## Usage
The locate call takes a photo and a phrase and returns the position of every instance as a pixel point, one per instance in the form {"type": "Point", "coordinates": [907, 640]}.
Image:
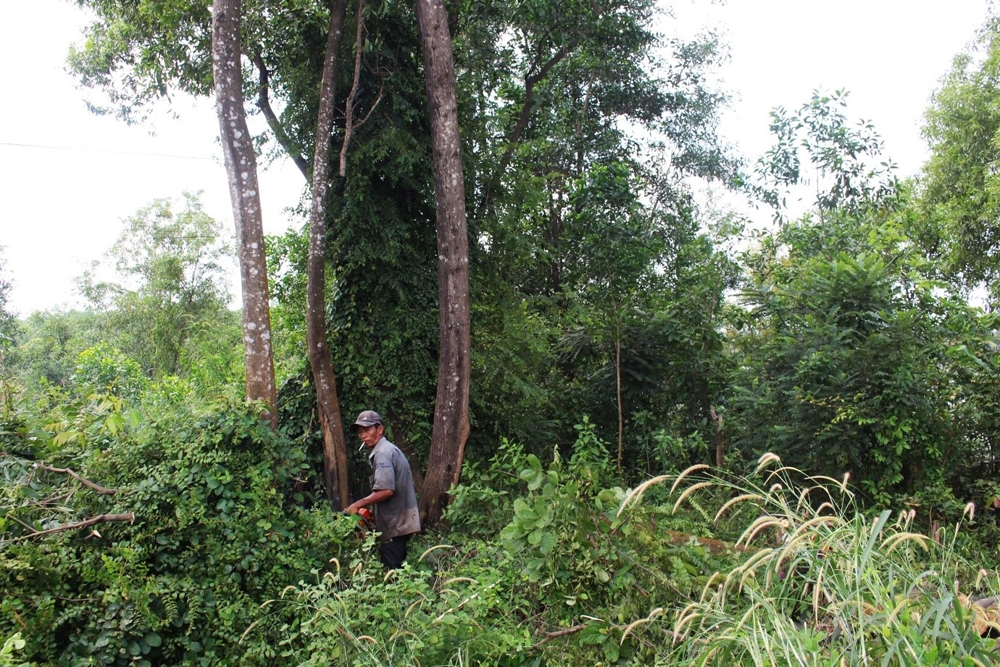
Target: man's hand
{"type": "Point", "coordinates": [372, 499]}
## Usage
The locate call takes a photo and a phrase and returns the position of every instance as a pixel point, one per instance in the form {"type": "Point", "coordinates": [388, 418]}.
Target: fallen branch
{"type": "Point", "coordinates": [86, 482]}
{"type": "Point", "coordinates": [101, 518]}
{"type": "Point", "coordinates": [549, 636]}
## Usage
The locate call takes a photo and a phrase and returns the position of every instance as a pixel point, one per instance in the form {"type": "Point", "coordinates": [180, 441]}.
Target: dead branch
{"type": "Point", "coordinates": [549, 636]}
{"type": "Point", "coordinates": [86, 482]}
{"type": "Point", "coordinates": [101, 518]}
{"type": "Point", "coordinates": [349, 104]}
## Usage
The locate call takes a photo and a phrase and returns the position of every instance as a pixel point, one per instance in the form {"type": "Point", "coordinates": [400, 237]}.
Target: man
{"type": "Point", "coordinates": [393, 497]}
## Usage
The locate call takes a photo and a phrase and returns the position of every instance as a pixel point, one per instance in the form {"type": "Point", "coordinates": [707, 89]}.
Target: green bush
{"type": "Point", "coordinates": [103, 369]}
{"type": "Point", "coordinates": [216, 532]}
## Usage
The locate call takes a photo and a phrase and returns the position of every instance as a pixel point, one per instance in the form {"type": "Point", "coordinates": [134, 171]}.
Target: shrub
{"type": "Point", "coordinates": [216, 532]}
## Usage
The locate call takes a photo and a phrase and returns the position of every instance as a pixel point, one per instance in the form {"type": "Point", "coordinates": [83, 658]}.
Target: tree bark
{"type": "Point", "coordinates": [241, 169]}
{"type": "Point", "coordinates": [320, 361]}
{"type": "Point", "coordinates": [451, 410]}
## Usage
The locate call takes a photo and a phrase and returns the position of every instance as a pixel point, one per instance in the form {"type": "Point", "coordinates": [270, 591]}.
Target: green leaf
{"type": "Point", "coordinates": [536, 481]}
{"type": "Point", "coordinates": [547, 543]}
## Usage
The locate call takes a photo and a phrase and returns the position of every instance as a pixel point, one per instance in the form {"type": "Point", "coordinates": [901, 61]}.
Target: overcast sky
{"type": "Point", "coordinates": [68, 178]}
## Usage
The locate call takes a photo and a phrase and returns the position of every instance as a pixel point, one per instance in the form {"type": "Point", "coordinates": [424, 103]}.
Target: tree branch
{"type": "Point", "coordinates": [381, 90]}
{"type": "Point", "coordinates": [130, 517]}
{"type": "Point", "coordinates": [349, 105]}
{"type": "Point", "coordinates": [549, 636]}
{"type": "Point", "coordinates": [86, 482]}
{"type": "Point", "coordinates": [264, 104]}
{"type": "Point", "coordinates": [522, 122]}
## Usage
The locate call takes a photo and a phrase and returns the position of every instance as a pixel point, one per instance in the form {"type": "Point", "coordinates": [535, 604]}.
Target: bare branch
{"type": "Point", "coordinates": [86, 482]}
{"type": "Point", "coordinates": [549, 636]}
{"type": "Point", "coordinates": [264, 104]}
{"type": "Point", "coordinates": [381, 90]}
{"type": "Point", "coordinates": [349, 105]}
{"type": "Point", "coordinates": [101, 518]}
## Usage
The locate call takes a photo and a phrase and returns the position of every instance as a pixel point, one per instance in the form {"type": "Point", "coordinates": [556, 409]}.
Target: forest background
{"type": "Point", "coordinates": [621, 333]}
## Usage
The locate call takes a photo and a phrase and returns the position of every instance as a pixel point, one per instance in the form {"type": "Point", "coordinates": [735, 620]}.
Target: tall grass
{"type": "Point", "coordinates": [822, 583]}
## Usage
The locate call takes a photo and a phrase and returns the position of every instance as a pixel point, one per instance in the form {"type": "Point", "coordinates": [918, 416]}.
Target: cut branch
{"type": "Point", "coordinates": [264, 104]}
{"type": "Point", "coordinates": [101, 518]}
{"type": "Point", "coordinates": [86, 482]}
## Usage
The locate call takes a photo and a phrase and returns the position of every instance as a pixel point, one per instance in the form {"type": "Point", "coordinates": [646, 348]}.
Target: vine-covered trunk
{"type": "Point", "coordinates": [451, 410]}
{"type": "Point", "coordinates": [241, 169]}
{"type": "Point", "coordinates": [320, 361]}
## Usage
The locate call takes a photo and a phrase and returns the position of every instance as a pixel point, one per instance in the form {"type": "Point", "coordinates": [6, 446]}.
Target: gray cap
{"type": "Point", "coordinates": [367, 418]}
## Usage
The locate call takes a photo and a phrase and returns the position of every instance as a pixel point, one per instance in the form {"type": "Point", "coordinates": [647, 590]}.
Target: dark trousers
{"type": "Point", "coordinates": [392, 552]}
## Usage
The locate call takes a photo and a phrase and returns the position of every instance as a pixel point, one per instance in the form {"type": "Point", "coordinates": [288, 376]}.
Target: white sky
{"type": "Point", "coordinates": [62, 207]}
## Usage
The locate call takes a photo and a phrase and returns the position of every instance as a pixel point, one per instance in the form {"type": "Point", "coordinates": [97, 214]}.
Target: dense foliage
{"type": "Point", "coordinates": [624, 337]}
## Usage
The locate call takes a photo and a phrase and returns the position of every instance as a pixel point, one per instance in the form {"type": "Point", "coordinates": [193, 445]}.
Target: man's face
{"type": "Point", "coordinates": [370, 435]}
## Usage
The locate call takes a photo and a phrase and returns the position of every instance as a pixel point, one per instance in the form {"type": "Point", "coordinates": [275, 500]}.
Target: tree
{"type": "Point", "coordinates": [50, 343]}
{"type": "Point", "coordinates": [451, 411]}
{"type": "Point", "coordinates": [573, 82]}
{"type": "Point", "coordinates": [852, 356]}
{"type": "Point", "coordinates": [961, 186]}
{"type": "Point", "coordinates": [317, 340]}
{"type": "Point", "coordinates": [8, 323]}
{"type": "Point", "coordinates": [852, 361]}
{"type": "Point", "coordinates": [545, 92]}
{"type": "Point", "coordinates": [171, 272]}
{"type": "Point", "coordinates": [241, 168]}
{"type": "Point", "coordinates": [843, 164]}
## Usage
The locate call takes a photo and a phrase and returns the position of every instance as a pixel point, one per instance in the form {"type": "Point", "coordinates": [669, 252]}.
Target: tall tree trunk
{"type": "Point", "coordinates": [241, 168]}
{"type": "Point", "coordinates": [320, 361]}
{"type": "Point", "coordinates": [451, 410]}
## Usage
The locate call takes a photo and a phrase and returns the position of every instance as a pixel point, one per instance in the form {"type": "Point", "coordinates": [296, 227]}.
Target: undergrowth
{"type": "Point", "coordinates": [542, 562]}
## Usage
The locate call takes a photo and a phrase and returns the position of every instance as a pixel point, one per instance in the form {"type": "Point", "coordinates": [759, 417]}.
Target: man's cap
{"type": "Point", "coordinates": [367, 418]}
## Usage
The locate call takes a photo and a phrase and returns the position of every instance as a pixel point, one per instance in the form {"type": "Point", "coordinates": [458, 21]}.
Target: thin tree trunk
{"type": "Point", "coordinates": [720, 441]}
{"type": "Point", "coordinates": [320, 361]}
{"type": "Point", "coordinates": [451, 410]}
{"type": "Point", "coordinates": [241, 168]}
{"type": "Point", "coordinates": [618, 378]}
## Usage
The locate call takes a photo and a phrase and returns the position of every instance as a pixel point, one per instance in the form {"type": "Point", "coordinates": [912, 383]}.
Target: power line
{"type": "Point", "coordinates": [108, 152]}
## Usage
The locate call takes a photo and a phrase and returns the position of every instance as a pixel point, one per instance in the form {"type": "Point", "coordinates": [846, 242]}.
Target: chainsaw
{"type": "Point", "coordinates": [365, 519]}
